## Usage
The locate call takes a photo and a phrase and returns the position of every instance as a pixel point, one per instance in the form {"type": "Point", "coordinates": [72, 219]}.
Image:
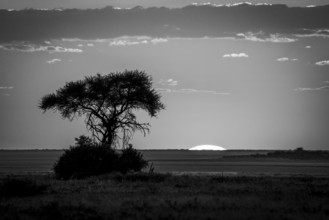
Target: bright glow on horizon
{"type": "Point", "coordinates": [207, 147]}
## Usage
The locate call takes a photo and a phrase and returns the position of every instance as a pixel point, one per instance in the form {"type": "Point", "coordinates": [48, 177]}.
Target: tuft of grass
{"type": "Point", "coordinates": [237, 179]}
{"type": "Point", "coordinates": [141, 177]}
{"type": "Point", "coordinates": [16, 187]}
{"type": "Point", "coordinates": [52, 211]}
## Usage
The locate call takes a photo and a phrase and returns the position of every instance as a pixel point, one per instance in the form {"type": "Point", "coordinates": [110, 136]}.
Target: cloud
{"type": "Point", "coordinates": [312, 89]}
{"type": "Point", "coordinates": [192, 91]}
{"type": "Point", "coordinates": [30, 47]}
{"type": "Point", "coordinates": [323, 33]}
{"type": "Point", "coordinates": [93, 41]}
{"type": "Point", "coordinates": [262, 37]}
{"type": "Point", "coordinates": [283, 59]}
{"type": "Point", "coordinates": [6, 87]}
{"type": "Point", "coordinates": [171, 82]}
{"type": "Point", "coordinates": [260, 23]}
{"type": "Point", "coordinates": [308, 47]}
{"type": "Point", "coordinates": [88, 44]}
{"type": "Point", "coordinates": [54, 61]}
{"type": "Point", "coordinates": [168, 82]}
{"type": "Point", "coordinates": [119, 41]}
{"type": "Point", "coordinates": [126, 42]}
{"type": "Point", "coordinates": [202, 91]}
{"type": "Point", "coordinates": [164, 90]}
{"type": "Point", "coordinates": [135, 40]}
{"type": "Point", "coordinates": [236, 55]}
{"type": "Point", "coordinates": [159, 40]}
{"type": "Point", "coordinates": [319, 88]}
{"type": "Point", "coordinates": [58, 49]}
{"type": "Point", "coordinates": [322, 63]}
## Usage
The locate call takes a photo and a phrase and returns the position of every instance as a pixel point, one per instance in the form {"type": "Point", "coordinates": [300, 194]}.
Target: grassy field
{"type": "Point", "coordinates": [164, 196]}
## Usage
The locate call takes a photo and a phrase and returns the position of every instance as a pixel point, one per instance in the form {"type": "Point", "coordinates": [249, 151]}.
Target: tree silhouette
{"type": "Point", "coordinates": [109, 102]}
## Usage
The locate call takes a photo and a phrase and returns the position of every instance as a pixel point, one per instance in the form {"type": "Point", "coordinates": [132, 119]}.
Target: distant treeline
{"type": "Point", "coordinates": [298, 153]}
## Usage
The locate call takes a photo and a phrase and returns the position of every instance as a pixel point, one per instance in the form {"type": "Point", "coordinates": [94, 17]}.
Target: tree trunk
{"type": "Point", "coordinates": [109, 137]}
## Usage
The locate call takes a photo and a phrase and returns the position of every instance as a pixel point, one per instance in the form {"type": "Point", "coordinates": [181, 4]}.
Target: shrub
{"type": "Point", "coordinates": [86, 159]}
{"type": "Point", "coordinates": [131, 160]}
{"type": "Point", "coordinates": [13, 187]}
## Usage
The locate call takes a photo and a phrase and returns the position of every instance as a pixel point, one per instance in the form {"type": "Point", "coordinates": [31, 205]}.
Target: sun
{"type": "Point", "coordinates": [208, 147]}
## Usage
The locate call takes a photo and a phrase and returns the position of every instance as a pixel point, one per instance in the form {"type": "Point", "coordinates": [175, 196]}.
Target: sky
{"type": "Point", "coordinates": [239, 76]}
{"type": "Point", "coordinates": [83, 4]}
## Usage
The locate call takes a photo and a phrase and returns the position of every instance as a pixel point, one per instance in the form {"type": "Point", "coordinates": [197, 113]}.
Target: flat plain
{"type": "Point", "coordinates": [178, 161]}
{"type": "Point", "coordinates": [185, 185]}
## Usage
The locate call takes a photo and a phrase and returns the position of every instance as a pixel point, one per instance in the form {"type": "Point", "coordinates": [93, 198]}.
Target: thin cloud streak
{"type": "Point", "coordinates": [191, 91]}
{"type": "Point", "coordinates": [312, 89]}
{"type": "Point", "coordinates": [286, 59]}
{"type": "Point", "coordinates": [79, 40]}
{"type": "Point", "coordinates": [168, 82]}
{"type": "Point", "coordinates": [283, 59]}
{"type": "Point", "coordinates": [135, 40]}
{"type": "Point", "coordinates": [321, 88]}
{"type": "Point", "coordinates": [323, 33]}
{"type": "Point", "coordinates": [54, 61]}
{"type": "Point", "coordinates": [6, 87]}
{"type": "Point", "coordinates": [119, 41]}
{"type": "Point", "coordinates": [236, 55]}
{"type": "Point", "coordinates": [322, 63]}
{"type": "Point", "coordinates": [29, 48]}
{"type": "Point", "coordinates": [262, 37]}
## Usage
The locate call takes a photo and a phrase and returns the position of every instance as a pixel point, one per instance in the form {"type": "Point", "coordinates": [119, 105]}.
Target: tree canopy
{"type": "Point", "coordinates": [109, 103]}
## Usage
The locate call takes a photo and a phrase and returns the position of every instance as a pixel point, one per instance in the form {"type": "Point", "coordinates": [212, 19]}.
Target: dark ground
{"type": "Point", "coordinates": [164, 196]}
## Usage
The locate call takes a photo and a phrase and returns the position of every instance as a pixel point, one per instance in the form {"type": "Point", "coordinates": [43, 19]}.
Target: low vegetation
{"type": "Point", "coordinates": [296, 154]}
{"type": "Point", "coordinates": [88, 158]}
{"type": "Point", "coordinates": [20, 187]}
{"type": "Point", "coordinates": [300, 153]}
{"type": "Point", "coordinates": [131, 160]}
{"type": "Point", "coordinates": [165, 196]}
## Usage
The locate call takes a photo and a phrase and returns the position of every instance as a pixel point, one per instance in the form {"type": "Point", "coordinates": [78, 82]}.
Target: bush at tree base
{"type": "Point", "coordinates": [88, 158]}
{"type": "Point", "coordinates": [131, 160]}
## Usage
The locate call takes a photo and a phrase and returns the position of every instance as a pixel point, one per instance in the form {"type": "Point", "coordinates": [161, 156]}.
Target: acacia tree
{"type": "Point", "coordinates": [109, 103]}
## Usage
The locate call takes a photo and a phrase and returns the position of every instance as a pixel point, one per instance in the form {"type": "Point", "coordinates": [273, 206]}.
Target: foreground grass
{"type": "Point", "coordinates": [162, 196]}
